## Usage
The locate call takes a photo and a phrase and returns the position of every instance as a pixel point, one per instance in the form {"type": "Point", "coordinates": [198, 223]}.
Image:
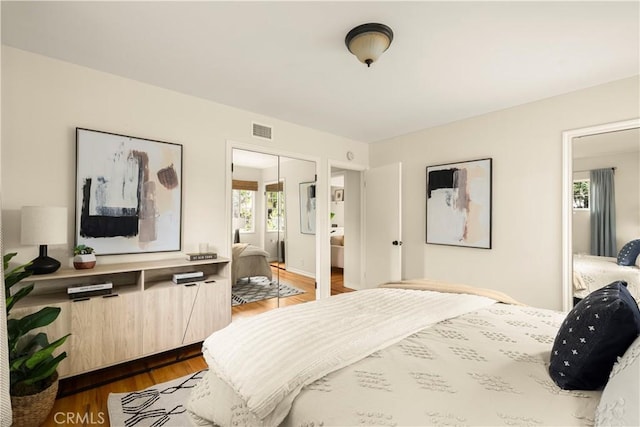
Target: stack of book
{"type": "Point", "coordinates": [193, 276]}
{"type": "Point", "coordinates": [201, 256]}
{"type": "Point", "coordinates": [87, 291]}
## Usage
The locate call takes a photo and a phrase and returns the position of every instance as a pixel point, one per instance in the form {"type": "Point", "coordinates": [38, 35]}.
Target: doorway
{"type": "Point", "coordinates": [345, 225]}
{"type": "Point", "coordinates": [585, 150]}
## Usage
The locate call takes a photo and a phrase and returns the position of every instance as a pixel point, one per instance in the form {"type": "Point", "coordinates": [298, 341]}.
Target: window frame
{"type": "Point", "coordinates": [588, 192]}
{"type": "Point", "coordinates": [236, 213]}
{"type": "Point", "coordinates": [280, 206]}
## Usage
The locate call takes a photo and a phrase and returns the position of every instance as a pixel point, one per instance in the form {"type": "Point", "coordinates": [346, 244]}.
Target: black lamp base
{"type": "Point", "coordinates": [43, 264]}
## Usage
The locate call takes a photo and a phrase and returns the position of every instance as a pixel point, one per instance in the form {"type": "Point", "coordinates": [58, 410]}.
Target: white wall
{"type": "Point", "coordinates": [525, 143]}
{"type": "Point", "coordinates": [626, 196]}
{"type": "Point", "coordinates": [44, 99]}
{"type": "Point", "coordinates": [300, 249]}
{"type": "Point", "coordinates": [352, 229]}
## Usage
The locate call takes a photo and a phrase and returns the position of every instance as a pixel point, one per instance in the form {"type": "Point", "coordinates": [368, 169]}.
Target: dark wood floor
{"type": "Point", "coordinates": [86, 395]}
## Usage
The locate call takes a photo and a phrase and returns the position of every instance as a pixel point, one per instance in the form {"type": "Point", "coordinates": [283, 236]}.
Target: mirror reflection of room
{"type": "Point", "coordinates": [343, 217]}
{"type": "Point", "coordinates": [273, 261]}
{"type": "Point", "coordinates": [606, 210]}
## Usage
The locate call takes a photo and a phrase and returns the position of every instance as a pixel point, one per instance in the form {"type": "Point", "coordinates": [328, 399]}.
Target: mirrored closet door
{"type": "Point", "coordinates": [273, 230]}
{"type": "Point", "coordinates": [606, 209]}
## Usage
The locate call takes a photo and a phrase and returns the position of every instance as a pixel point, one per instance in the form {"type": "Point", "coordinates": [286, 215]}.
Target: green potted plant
{"type": "Point", "coordinates": [32, 365]}
{"type": "Point", "coordinates": [84, 257]}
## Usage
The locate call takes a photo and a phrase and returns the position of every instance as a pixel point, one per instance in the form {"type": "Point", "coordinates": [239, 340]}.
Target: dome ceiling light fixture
{"type": "Point", "coordinates": [368, 41]}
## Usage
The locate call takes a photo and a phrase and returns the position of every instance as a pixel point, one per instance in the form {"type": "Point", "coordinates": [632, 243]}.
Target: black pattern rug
{"type": "Point", "coordinates": [253, 289]}
{"type": "Point", "coordinates": [159, 405]}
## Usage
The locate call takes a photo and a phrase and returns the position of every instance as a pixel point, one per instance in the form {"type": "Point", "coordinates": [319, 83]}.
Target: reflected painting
{"type": "Point", "coordinates": [128, 193]}
{"type": "Point", "coordinates": [459, 204]}
{"type": "Point", "coordinates": [308, 207]}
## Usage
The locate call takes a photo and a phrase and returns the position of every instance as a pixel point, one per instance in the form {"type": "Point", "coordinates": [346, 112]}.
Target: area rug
{"type": "Point", "coordinates": [160, 405]}
{"type": "Point", "coordinates": [253, 289]}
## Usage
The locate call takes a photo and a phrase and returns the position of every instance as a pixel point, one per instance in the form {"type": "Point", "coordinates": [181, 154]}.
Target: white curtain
{"type": "Point", "coordinates": [5, 400]}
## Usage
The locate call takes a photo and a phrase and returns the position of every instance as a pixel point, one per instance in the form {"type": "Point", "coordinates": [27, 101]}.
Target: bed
{"type": "Point", "coordinates": [249, 261]}
{"type": "Point", "coordinates": [593, 272]}
{"type": "Point", "coordinates": [411, 353]}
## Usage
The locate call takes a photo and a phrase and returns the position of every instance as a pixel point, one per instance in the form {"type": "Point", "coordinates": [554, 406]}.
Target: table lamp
{"type": "Point", "coordinates": [43, 225]}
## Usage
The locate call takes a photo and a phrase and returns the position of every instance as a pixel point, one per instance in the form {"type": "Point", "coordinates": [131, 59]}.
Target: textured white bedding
{"type": "Point", "coordinates": [485, 367]}
{"type": "Point", "coordinates": [595, 272]}
{"type": "Point", "coordinates": [299, 344]}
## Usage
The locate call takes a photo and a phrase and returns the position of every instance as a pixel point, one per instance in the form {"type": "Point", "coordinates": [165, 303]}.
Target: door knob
{"type": "Point", "coordinates": [396, 243]}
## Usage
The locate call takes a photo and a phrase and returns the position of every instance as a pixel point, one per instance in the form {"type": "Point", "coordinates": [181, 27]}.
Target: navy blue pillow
{"type": "Point", "coordinates": [629, 252]}
{"type": "Point", "coordinates": [599, 329]}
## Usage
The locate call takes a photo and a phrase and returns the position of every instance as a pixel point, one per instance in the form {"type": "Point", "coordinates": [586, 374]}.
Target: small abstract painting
{"type": "Point", "coordinates": [128, 193]}
{"type": "Point", "coordinates": [308, 207]}
{"type": "Point", "coordinates": [459, 204]}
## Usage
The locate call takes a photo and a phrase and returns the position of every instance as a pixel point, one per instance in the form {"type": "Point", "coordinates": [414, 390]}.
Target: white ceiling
{"type": "Point", "coordinates": [448, 61]}
{"type": "Point", "coordinates": [252, 159]}
{"type": "Point", "coordinates": [620, 142]}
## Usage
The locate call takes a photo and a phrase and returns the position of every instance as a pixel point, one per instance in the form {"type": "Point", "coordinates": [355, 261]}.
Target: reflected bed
{"type": "Point", "coordinates": [249, 261]}
{"type": "Point", "coordinates": [594, 272]}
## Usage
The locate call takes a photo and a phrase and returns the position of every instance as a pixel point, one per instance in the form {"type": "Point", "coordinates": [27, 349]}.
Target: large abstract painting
{"type": "Point", "coordinates": [459, 204]}
{"type": "Point", "coordinates": [128, 193]}
{"type": "Point", "coordinates": [308, 207]}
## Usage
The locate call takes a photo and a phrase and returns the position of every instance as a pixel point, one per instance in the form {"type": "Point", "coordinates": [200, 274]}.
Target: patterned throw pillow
{"type": "Point", "coordinates": [629, 253]}
{"type": "Point", "coordinates": [619, 402]}
{"type": "Point", "coordinates": [599, 329]}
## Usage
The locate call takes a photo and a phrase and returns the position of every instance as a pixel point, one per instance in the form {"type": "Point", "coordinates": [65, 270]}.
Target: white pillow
{"type": "Point", "coordinates": [620, 401]}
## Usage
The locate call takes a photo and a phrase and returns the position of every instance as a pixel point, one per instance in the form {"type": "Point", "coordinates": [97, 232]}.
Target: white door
{"type": "Point", "coordinates": [383, 225]}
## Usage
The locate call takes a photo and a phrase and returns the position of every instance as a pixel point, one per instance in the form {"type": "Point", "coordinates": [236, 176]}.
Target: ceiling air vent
{"type": "Point", "coordinates": [262, 131]}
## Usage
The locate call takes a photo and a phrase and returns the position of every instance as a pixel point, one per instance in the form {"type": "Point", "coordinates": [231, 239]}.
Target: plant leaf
{"type": "Point", "coordinates": [45, 370]}
{"type": "Point", "coordinates": [38, 340]}
{"type": "Point", "coordinates": [6, 258]}
{"type": "Point", "coordinates": [16, 364]}
{"type": "Point", "coordinates": [44, 353]}
{"type": "Point", "coordinates": [13, 299]}
{"type": "Point", "coordinates": [41, 318]}
{"type": "Point", "coordinates": [13, 333]}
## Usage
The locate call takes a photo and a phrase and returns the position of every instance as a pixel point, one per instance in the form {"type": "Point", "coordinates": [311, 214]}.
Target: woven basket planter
{"type": "Point", "coordinates": [32, 410]}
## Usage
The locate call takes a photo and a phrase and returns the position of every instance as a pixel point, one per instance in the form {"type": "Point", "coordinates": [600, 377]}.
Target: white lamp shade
{"type": "Point", "coordinates": [369, 46]}
{"type": "Point", "coordinates": [43, 225]}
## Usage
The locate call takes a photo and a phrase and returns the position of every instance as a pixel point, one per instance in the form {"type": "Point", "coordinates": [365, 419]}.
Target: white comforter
{"type": "Point", "coordinates": [485, 367]}
{"type": "Point", "coordinates": [267, 360]}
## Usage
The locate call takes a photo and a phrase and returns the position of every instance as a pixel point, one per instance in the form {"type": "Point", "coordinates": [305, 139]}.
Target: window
{"type": "Point", "coordinates": [581, 194]}
{"type": "Point", "coordinates": [244, 210]}
{"type": "Point", "coordinates": [275, 207]}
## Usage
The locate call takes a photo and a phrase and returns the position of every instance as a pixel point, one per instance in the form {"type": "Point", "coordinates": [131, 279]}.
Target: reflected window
{"type": "Point", "coordinates": [244, 210]}
{"type": "Point", "coordinates": [581, 194]}
{"type": "Point", "coordinates": [275, 211]}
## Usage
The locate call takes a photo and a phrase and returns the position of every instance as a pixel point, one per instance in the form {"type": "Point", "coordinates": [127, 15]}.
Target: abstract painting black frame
{"type": "Point", "coordinates": [459, 204]}
{"type": "Point", "coordinates": [128, 193]}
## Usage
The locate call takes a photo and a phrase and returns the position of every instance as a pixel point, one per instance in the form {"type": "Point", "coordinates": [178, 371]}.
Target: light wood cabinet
{"type": "Point", "coordinates": [162, 328]}
{"type": "Point", "coordinates": [104, 331]}
{"type": "Point", "coordinates": [208, 312]}
{"type": "Point", "coordinates": [145, 314]}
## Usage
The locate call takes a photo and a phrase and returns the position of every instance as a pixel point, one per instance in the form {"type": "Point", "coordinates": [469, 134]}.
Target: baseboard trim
{"type": "Point", "coordinates": [301, 272]}
{"type": "Point", "coordinates": [179, 357]}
